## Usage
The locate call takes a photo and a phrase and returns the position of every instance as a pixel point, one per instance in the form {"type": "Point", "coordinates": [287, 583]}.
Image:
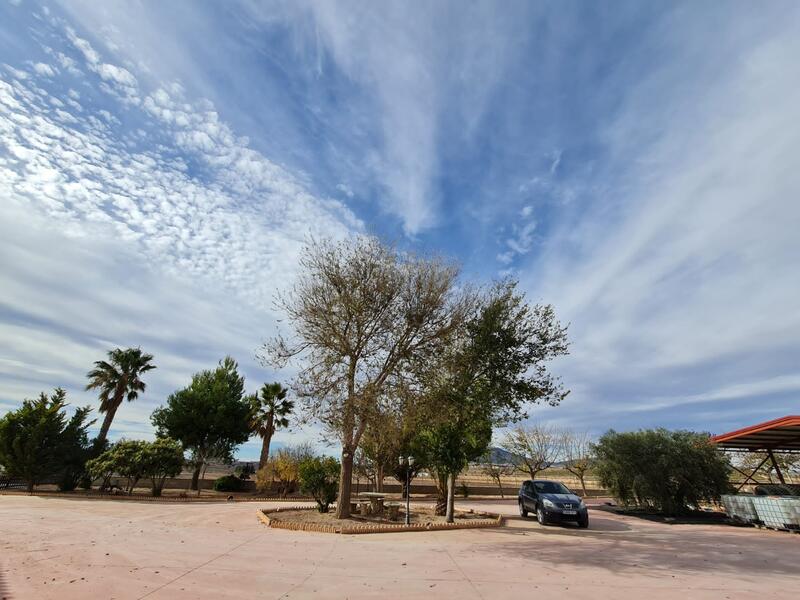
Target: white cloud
{"type": "Point", "coordinates": [140, 248]}
{"type": "Point", "coordinates": [44, 69]}
{"type": "Point", "coordinates": [681, 282]}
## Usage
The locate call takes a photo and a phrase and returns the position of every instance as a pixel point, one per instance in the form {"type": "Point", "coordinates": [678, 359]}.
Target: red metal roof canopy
{"type": "Point", "coordinates": [780, 435]}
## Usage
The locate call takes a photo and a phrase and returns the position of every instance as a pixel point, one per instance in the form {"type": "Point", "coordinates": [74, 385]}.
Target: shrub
{"type": "Point", "coordinates": [664, 470]}
{"type": "Point", "coordinates": [283, 468]}
{"type": "Point", "coordinates": [228, 483]}
{"type": "Point", "coordinates": [319, 477]}
{"type": "Point", "coordinates": [244, 471]}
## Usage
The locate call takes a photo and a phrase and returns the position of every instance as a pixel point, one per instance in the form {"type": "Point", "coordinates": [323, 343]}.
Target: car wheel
{"type": "Point", "coordinates": [522, 511]}
{"type": "Point", "coordinates": [584, 522]}
{"type": "Point", "coordinates": [540, 516]}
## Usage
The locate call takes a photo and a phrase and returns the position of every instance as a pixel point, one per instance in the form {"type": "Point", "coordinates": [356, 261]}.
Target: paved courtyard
{"type": "Point", "coordinates": [59, 548]}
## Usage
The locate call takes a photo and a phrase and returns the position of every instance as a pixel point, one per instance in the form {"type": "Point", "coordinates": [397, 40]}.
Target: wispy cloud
{"type": "Point", "coordinates": [681, 288]}
{"type": "Point", "coordinates": [634, 167]}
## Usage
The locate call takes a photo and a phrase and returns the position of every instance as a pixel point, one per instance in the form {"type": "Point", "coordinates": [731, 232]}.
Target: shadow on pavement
{"type": "Point", "coordinates": [660, 551]}
{"type": "Point", "coordinates": [596, 523]}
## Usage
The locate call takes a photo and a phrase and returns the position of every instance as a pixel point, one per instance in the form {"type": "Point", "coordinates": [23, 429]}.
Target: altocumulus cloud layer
{"type": "Point", "coordinates": [166, 230]}
{"type": "Point", "coordinates": [162, 163]}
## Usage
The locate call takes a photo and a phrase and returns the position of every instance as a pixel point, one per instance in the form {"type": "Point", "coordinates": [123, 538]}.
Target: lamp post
{"type": "Point", "coordinates": [408, 462]}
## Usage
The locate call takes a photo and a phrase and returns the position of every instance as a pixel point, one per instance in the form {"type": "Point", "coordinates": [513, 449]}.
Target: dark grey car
{"type": "Point", "coordinates": [552, 502]}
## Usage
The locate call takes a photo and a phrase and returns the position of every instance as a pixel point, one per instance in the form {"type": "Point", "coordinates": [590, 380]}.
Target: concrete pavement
{"type": "Point", "coordinates": [60, 548]}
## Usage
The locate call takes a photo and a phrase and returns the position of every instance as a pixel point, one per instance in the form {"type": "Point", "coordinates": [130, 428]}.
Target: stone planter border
{"type": "Point", "coordinates": [270, 518]}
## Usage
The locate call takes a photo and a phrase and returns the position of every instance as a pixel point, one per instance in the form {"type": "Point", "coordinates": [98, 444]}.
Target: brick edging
{"type": "Point", "coordinates": [494, 520]}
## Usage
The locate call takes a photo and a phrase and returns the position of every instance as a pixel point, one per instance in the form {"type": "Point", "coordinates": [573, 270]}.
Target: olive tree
{"type": "Point", "coordinates": [361, 312]}
{"type": "Point", "coordinates": [668, 471]}
{"type": "Point", "coordinates": [123, 459]}
{"type": "Point", "coordinates": [161, 459]}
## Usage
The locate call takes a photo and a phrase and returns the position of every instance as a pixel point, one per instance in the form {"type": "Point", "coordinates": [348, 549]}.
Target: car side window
{"type": "Point", "coordinates": [526, 487]}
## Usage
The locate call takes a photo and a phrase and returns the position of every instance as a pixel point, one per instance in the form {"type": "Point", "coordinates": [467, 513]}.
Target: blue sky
{"type": "Point", "coordinates": [635, 164]}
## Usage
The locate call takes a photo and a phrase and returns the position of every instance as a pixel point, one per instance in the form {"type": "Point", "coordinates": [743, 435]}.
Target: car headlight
{"type": "Point", "coordinates": [581, 505]}
{"type": "Point", "coordinates": [548, 503]}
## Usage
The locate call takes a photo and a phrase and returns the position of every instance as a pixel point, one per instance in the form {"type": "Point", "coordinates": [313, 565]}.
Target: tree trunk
{"type": "Point", "coordinates": [583, 485]}
{"type": "Point", "coordinates": [441, 495]}
{"type": "Point", "coordinates": [101, 437]}
{"type": "Point", "coordinates": [262, 461]}
{"type": "Point", "coordinates": [379, 478]}
{"type": "Point", "coordinates": [451, 497]}
{"type": "Point", "coordinates": [196, 476]}
{"type": "Point", "coordinates": [345, 485]}
{"type": "Point", "coordinates": [31, 483]}
{"type": "Point", "coordinates": [500, 485]}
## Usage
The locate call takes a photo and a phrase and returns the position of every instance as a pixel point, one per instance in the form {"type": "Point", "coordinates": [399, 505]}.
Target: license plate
{"type": "Point", "coordinates": [570, 512]}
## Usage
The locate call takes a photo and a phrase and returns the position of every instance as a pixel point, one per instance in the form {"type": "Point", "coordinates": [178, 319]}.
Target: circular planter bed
{"type": "Point", "coordinates": [299, 518]}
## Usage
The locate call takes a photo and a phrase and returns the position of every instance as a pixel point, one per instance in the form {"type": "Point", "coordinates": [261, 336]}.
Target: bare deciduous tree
{"type": "Point", "coordinates": [362, 313]}
{"type": "Point", "coordinates": [535, 448]}
{"type": "Point", "coordinates": [495, 471]}
{"type": "Point", "coordinates": [577, 454]}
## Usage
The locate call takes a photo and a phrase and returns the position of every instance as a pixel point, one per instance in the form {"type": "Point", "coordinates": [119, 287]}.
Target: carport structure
{"type": "Point", "coordinates": [778, 435]}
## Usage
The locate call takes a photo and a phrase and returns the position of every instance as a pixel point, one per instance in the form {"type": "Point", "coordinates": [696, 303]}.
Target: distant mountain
{"type": "Point", "coordinates": [498, 456]}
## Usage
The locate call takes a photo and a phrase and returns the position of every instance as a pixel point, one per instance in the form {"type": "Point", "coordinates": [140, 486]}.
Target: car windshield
{"type": "Point", "coordinates": [550, 487]}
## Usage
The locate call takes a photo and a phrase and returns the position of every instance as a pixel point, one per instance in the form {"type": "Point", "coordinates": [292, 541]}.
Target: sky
{"type": "Point", "coordinates": [633, 164]}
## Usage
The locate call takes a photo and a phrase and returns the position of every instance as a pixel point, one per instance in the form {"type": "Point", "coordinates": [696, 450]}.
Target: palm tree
{"type": "Point", "coordinates": [270, 411]}
{"type": "Point", "coordinates": [118, 378]}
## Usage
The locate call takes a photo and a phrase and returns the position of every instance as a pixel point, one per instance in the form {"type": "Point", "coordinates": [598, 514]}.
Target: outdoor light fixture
{"type": "Point", "coordinates": [407, 460]}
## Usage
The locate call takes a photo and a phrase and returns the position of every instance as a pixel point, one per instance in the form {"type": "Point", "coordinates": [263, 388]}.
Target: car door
{"type": "Point", "coordinates": [534, 497]}
{"type": "Point", "coordinates": [528, 496]}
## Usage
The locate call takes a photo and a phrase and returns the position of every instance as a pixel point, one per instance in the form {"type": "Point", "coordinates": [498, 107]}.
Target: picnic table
{"type": "Point", "coordinates": [375, 501]}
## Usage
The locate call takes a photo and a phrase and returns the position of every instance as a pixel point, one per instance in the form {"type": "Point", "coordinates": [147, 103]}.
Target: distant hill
{"type": "Point", "coordinates": [498, 456]}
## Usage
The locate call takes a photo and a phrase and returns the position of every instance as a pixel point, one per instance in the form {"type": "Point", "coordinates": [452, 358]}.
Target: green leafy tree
{"type": "Point", "coordinates": [668, 471]}
{"type": "Point", "coordinates": [161, 459]}
{"type": "Point", "coordinates": [118, 378]}
{"type": "Point", "coordinates": [449, 447]}
{"type": "Point", "coordinates": [486, 375]}
{"type": "Point", "coordinates": [210, 417]}
{"type": "Point", "coordinates": [271, 410]}
{"type": "Point", "coordinates": [319, 477]}
{"type": "Point", "coordinates": [38, 440]}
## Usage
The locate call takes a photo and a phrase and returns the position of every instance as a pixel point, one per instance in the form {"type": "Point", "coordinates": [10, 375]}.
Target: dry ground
{"type": "Point", "coordinates": [83, 549]}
